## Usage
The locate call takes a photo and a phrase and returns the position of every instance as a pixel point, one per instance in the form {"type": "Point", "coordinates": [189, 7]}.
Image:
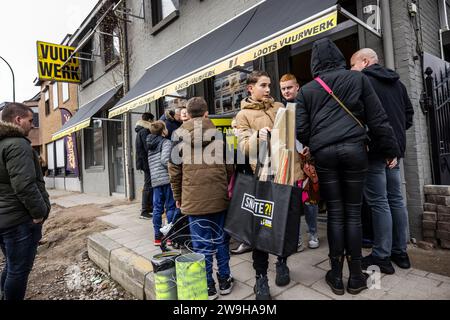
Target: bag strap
{"type": "Point", "coordinates": [331, 93]}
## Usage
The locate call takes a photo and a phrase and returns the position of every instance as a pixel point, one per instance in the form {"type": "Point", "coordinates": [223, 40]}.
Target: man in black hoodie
{"type": "Point", "coordinates": [383, 186]}
{"type": "Point", "coordinates": [142, 131]}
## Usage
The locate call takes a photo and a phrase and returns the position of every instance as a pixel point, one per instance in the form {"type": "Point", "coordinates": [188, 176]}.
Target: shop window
{"type": "Point", "coordinates": [111, 42]}
{"type": "Point", "coordinates": [65, 91]}
{"type": "Point", "coordinates": [93, 143]}
{"type": "Point", "coordinates": [87, 67]}
{"type": "Point", "coordinates": [230, 88]}
{"type": "Point", "coordinates": [179, 99]}
{"type": "Point", "coordinates": [163, 12]}
{"type": "Point", "coordinates": [60, 158]}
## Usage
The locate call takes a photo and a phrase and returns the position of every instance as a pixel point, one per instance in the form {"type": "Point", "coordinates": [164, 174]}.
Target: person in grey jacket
{"type": "Point", "coordinates": [24, 202]}
{"type": "Point", "coordinates": [159, 151]}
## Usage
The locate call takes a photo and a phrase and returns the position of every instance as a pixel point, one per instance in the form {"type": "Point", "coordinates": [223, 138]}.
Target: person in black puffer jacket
{"type": "Point", "coordinates": [383, 189]}
{"type": "Point", "coordinates": [24, 202]}
{"type": "Point", "coordinates": [142, 131]}
{"type": "Point", "coordinates": [337, 142]}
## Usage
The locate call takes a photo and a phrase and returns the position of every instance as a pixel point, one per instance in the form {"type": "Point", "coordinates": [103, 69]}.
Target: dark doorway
{"type": "Point", "coordinates": [300, 64]}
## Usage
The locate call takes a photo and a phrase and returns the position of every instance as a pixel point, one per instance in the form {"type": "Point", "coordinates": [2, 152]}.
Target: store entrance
{"type": "Point", "coordinates": [300, 63]}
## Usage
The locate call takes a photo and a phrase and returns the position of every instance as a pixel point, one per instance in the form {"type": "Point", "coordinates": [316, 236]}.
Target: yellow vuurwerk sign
{"type": "Point", "coordinates": [51, 57]}
{"type": "Point", "coordinates": [291, 37]}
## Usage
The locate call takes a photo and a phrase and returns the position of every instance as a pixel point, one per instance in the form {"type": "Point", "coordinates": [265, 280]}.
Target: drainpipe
{"type": "Point", "coordinates": [129, 175]}
{"type": "Point", "coordinates": [388, 43]}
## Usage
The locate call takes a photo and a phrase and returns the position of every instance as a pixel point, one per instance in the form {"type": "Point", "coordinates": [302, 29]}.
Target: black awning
{"type": "Point", "coordinates": [82, 118]}
{"type": "Point", "coordinates": [259, 31]}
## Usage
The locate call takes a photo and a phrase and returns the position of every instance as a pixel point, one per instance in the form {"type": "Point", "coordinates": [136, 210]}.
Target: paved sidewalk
{"type": "Point", "coordinates": [67, 199]}
{"type": "Point", "coordinates": [125, 253]}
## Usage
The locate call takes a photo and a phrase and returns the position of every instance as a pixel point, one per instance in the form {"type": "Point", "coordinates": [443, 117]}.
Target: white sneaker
{"type": "Point", "coordinates": [300, 246]}
{"type": "Point", "coordinates": [165, 230]}
{"type": "Point", "coordinates": [313, 242]}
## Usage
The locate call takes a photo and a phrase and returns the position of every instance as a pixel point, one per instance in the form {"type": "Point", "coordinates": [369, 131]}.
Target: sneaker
{"type": "Point", "coordinates": [165, 230]}
{"type": "Point", "coordinates": [401, 260]}
{"type": "Point", "coordinates": [146, 216]}
{"type": "Point", "coordinates": [282, 278]}
{"type": "Point", "coordinates": [212, 292]}
{"type": "Point", "coordinates": [367, 243]}
{"type": "Point", "coordinates": [385, 264]}
{"type": "Point", "coordinates": [242, 248]}
{"type": "Point", "coordinates": [300, 246]}
{"type": "Point", "coordinates": [261, 288]}
{"type": "Point", "coordinates": [157, 242]}
{"type": "Point", "coordinates": [313, 242]}
{"type": "Point", "coordinates": [225, 284]}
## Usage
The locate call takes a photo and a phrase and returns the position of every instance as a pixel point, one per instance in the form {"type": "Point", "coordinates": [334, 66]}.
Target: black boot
{"type": "Point", "coordinates": [334, 276]}
{"type": "Point", "coordinates": [261, 288]}
{"type": "Point", "coordinates": [357, 280]}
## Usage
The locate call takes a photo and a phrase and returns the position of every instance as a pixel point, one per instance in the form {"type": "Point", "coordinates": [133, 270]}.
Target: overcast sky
{"type": "Point", "coordinates": [22, 23]}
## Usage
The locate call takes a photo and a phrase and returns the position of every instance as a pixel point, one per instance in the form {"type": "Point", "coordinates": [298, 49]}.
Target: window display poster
{"type": "Point", "coordinates": [230, 89]}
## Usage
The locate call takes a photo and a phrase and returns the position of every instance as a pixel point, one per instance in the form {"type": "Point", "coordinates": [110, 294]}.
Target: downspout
{"type": "Point", "coordinates": [389, 60]}
{"type": "Point", "coordinates": [129, 176]}
{"type": "Point", "coordinates": [388, 43]}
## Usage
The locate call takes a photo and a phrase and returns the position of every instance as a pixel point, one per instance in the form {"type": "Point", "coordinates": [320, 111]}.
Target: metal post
{"type": "Point", "coordinates": [14, 81]}
{"type": "Point", "coordinates": [388, 43]}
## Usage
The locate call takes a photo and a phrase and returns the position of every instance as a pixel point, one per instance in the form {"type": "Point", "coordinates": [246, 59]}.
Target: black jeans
{"type": "Point", "coordinates": [147, 194]}
{"type": "Point", "coordinates": [261, 261]}
{"type": "Point", "coordinates": [342, 169]}
{"type": "Point", "coordinates": [19, 246]}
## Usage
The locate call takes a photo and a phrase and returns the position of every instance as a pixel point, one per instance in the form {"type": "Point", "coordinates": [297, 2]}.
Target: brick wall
{"type": "Point", "coordinates": [51, 123]}
{"type": "Point", "coordinates": [417, 157]}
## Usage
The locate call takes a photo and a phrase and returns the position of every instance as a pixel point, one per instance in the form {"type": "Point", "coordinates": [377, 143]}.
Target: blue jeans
{"type": "Point", "coordinates": [162, 198]}
{"type": "Point", "coordinates": [19, 246]}
{"type": "Point", "coordinates": [209, 238]}
{"type": "Point", "coordinates": [311, 212]}
{"type": "Point", "coordinates": [389, 214]}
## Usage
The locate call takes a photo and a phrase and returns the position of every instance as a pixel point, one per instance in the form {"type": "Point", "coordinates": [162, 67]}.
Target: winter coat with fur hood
{"type": "Point", "coordinates": [22, 188]}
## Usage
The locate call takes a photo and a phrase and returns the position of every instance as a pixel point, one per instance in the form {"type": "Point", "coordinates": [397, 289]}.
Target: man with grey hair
{"type": "Point", "coordinates": [383, 185]}
{"type": "Point", "coordinates": [24, 202]}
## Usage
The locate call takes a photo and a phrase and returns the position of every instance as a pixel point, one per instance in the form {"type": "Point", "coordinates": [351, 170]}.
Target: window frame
{"type": "Point", "coordinates": [65, 85]}
{"type": "Point", "coordinates": [84, 63]}
{"type": "Point", "coordinates": [47, 100]}
{"type": "Point", "coordinates": [55, 95]}
{"type": "Point", "coordinates": [110, 38]}
{"type": "Point", "coordinates": [159, 22]}
{"type": "Point", "coordinates": [90, 145]}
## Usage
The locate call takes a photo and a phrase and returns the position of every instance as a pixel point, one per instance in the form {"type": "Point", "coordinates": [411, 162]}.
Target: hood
{"type": "Point", "coordinates": [248, 103]}
{"type": "Point", "coordinates": [381, 73]}
{"type": "Point", "coordinates": [154, 141]}
{"type": "Point", "coordinates": [326, 57]}
{"type": "Point", "coordinates": [142, 124]}
{"type": "Point", "coordinates": [8, 130]}
{"type": "Point", "coordinates": [194, 125]}
{"type": "Point", "coordinates": [169, 114]}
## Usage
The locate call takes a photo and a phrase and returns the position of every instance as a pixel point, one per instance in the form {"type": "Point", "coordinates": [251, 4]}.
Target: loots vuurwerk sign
{"type": "Point", "coordinates": [52, 57]}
